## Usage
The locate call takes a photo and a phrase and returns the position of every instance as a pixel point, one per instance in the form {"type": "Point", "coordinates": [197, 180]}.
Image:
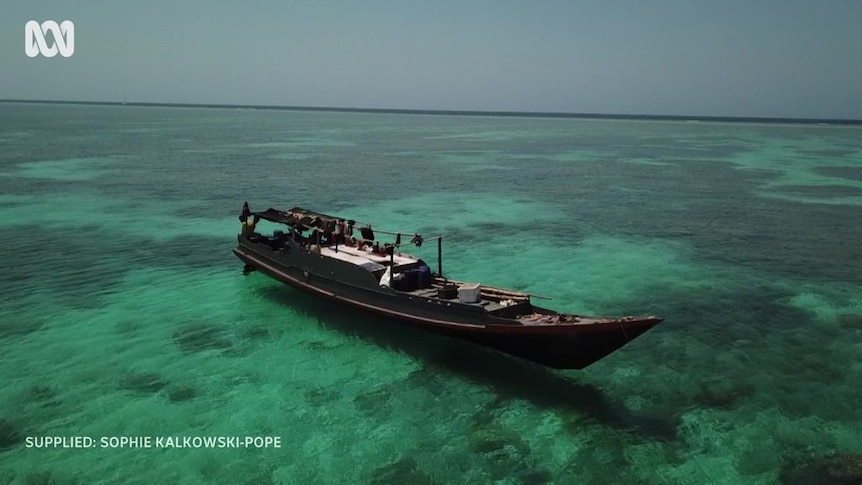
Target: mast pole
{"type": "Point", "coordinates": [440, 256]}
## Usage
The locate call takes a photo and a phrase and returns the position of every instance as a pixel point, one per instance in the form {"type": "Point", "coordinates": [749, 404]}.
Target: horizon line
{"type": "Point", "coordinates": [514, 114]}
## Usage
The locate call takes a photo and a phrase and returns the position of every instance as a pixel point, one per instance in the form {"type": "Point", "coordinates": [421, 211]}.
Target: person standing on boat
{"type": "Point", "coordinates": [247, 224]}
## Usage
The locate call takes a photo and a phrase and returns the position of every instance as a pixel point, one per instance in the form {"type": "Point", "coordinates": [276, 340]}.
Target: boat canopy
{"type": "Point", "coordinates": [315, 220]}
{"type": "Point", "coordinates": [299, 217]}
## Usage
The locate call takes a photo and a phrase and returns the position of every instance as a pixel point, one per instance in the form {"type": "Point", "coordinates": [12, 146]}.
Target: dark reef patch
{"type": "Point", "coordinates": [490, 438]}
{"type": "Point", "coordinates": [602, 464]}
{"type": "Point", "coordinates": [47, 477]}
{"type": "Point", "coordinates": [143, 382]}
{"type": "Point", "coordinates": [538, 476]}
{"type": "Point", "coordinates": [373, 402]}
{"type": "Point", "coordinates": [758, 460]}
{"type": "Point", "coordinates": [426, 380]}
{"type": "Point", "coordinates": [200, 337]}
{"type": "Point", "coordinates": [403, 471]}
{"type": "Point", "coordinates": [88, 263]}
{"type": "Point", "coordinates": [776, 236]}
{"type": "Point", "coordinates": [822, 191]}
{"type": "Point", "coordinates": [180, 394]}
{"type": "Point", "coordinates": [831, 153]}
{"type": "Point", "coordinates": [320, 396]}
{"type": "Point", "coordinates": [851, 173]}
{"type": "Point", "coordinates": [318, 345]}
{"type": "Point", "coordinates": [196, 251]}
{"type": "Point", "coordinates": [10, 434]}
{"type": "Point", "coordinates": [79, 277]}
{"type": "Point", "coordinates": [501, 449]}
{"type": "Point", "coordinates": [16, 327]}
{"type": "Point", "coordinates": [41, 395]}
{"type": "Point", "coordinates": [723, 392]}
{"type": "Point", "coordinates": [837, 469]}
{"type": "Point", "coordinates": [850, 320]}
{"type": "Point", "coordinates": [255, 332]}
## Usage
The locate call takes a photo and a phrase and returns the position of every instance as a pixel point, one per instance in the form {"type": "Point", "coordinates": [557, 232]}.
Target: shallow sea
{"type": "Point", "coordinates": [125, 314]}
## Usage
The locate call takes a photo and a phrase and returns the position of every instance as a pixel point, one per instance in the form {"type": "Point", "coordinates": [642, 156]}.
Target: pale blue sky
{"type": "Point", "coordinates": [784, 58]}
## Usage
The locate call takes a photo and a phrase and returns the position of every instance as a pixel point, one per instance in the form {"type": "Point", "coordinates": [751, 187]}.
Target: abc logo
{"type": "Point", "coordinates": [63, 36]}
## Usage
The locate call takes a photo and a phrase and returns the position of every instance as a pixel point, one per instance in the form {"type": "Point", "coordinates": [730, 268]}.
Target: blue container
{"type": "Point", "coordinates": [412, 277]}
{"type": "Point", "coordinates": [424, 280]}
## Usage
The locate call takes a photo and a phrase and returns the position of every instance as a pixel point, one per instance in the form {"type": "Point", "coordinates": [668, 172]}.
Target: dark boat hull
{"type": "Point", "coordinates": [569, 346]}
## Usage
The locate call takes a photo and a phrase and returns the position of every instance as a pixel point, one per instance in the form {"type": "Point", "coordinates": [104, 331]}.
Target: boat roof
{"type": "Point", "coordinates": [304, 217]}
{"type": "Point", "coordinates": [297, 216]}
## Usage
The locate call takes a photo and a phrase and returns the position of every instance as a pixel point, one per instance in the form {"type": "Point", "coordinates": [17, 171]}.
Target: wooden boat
{"type": "Point", "coordinates": [346, 264]}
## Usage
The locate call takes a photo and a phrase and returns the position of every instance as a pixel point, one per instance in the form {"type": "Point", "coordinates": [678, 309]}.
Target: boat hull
{"type": "Point", "coordinates": [563, 346]}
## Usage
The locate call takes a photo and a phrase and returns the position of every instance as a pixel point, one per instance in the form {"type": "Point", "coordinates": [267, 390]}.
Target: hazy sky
{"type": "Point", "coordinates": [785, 58]}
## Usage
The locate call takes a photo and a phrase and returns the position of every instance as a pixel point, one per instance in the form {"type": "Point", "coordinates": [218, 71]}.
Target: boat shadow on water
{"type": "Point", "coordinates": [509, 377]}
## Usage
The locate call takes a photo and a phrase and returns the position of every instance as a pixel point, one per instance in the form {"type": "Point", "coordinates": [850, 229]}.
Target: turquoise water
{"type": "Point", "coordinates": [125, 314]}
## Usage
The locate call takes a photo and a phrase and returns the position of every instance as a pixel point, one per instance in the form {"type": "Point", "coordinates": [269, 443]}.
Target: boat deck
{"type": "Point", "coordinates": [489, 305]}
{"type": "Point", "coordinates": [491, 298]}
{"type": "Point", "coordinates": [365, 259]}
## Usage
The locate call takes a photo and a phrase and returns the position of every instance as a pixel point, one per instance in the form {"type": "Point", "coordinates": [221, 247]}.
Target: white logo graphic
{"type": "Point", "coordinates": [35, 42]}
